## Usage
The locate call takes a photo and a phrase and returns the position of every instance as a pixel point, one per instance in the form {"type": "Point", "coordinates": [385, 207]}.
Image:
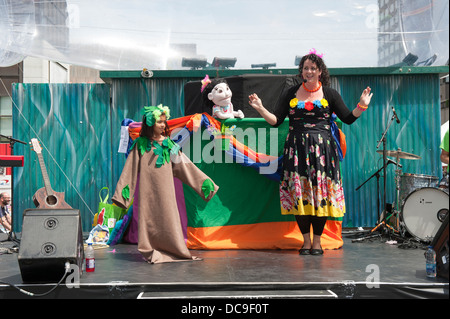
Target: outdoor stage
{"type": "Point", "coordinates": [367, 269]}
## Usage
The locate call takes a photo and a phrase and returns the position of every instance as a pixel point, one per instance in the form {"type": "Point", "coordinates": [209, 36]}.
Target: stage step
{"type": "Point", "coordinates": [251, 294]}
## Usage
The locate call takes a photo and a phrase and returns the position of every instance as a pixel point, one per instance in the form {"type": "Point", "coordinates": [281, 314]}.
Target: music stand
{"type": "Point", "coordinates": [12, 141]}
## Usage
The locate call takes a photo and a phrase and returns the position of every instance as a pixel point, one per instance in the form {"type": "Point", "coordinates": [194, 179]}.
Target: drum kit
{"type": "Point", "coordinates": [420, 205]}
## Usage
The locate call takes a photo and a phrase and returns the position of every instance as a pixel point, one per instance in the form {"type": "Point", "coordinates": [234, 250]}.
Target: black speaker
{"type": "Point", "coordinates": [50, 238]}
{"type": "Point", "coordinates": [440, 246]}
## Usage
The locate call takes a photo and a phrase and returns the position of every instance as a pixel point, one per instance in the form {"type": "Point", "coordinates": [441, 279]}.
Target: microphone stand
{"type": "Point", "coordinates": [377, 175]}
{"type": "Point", "coordinates": [385, 163]}
{"type": "Point", "coordinates": [12, 141]}
{"type": "Point", "coordinates": [383, 140]}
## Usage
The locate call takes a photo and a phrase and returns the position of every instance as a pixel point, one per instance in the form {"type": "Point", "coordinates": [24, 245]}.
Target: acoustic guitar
{"type": "Point", "coordinates": [46, 197]}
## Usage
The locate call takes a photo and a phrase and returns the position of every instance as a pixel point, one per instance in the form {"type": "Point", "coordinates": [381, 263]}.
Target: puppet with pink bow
{"type": "Point", "coordinates": [217, 94]}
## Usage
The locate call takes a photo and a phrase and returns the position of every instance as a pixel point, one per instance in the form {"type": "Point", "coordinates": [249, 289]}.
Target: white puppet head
{"type": "Point", "coordinates": [216, 92]}
{"type": "Point", "coordinates": [221, 94]}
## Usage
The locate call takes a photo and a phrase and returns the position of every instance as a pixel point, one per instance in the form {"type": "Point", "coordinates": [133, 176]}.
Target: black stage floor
{"type": "Point", "coordinates": [367, 269]}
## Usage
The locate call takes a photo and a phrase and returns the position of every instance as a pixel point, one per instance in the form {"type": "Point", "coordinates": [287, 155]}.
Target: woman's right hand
{"type": "Point", "coordinates": [255, 102]}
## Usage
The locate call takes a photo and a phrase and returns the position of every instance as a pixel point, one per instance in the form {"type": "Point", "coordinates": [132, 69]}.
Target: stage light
{"type": "Point", "coordinates": [194, 63]}
{"type": "Point", "coordinates": [223, 62]}
{"type": "Point", "coordinates": [409, 60]}
{"type": "Point", "coordinates": [264, 66]}
{"type": "Point", "coordinates": [428, 61]}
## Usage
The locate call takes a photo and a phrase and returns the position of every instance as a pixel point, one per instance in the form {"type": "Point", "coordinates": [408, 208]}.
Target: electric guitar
{"type": "Point", "coordinates": [45, 197]}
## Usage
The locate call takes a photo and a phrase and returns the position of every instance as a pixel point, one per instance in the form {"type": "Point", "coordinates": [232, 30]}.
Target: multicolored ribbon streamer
{"type": "Point", "coordinates": [239, 152]}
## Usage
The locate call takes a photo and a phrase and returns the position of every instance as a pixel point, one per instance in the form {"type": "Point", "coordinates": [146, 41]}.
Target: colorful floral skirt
{"type": "Point", "coordinates": [311, 181]}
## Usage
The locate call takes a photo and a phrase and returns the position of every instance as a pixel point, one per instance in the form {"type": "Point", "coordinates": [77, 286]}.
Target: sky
{"type": "Point", "coordinates": [137, 34]}
{"type": "Point", "coordinates": [252, 31]}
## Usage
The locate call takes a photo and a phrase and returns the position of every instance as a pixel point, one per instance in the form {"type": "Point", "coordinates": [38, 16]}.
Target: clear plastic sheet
{"type": "Point", "coordinates": [425, 25]}
{"type": "Point", "coordinates": [157, 34]}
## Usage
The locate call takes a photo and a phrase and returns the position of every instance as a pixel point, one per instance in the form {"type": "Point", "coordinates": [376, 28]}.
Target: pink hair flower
{"type": "Point", "coordinates": [314, 51]}
{"type": "Point", "coordinates": [205, 82]}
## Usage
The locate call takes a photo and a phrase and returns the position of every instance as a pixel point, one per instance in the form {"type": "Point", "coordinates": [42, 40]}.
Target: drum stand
{"type": "Point", "coordinates": [398, 174]}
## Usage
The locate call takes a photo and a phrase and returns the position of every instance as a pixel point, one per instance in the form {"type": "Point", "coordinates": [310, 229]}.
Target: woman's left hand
{"type": "Point", "coordinates": [366, 96]}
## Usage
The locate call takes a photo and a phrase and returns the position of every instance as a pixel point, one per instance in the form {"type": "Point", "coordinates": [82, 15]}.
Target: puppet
{"type": "Point", "coordinates": [217, 94]}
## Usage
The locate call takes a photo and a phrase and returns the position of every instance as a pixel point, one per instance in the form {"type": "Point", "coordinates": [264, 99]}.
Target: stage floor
{"type": "Point", "coordinates": [366, 269]}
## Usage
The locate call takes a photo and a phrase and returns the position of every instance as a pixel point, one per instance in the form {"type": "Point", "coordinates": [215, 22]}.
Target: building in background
{"type": "Point", "coordinates": [391, 49]}
{"type": "Point", "coordinates": [412, 33]}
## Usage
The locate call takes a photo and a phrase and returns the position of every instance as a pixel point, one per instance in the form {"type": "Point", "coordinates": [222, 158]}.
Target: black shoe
{"type": "Point", "coordinates": [316, 252]}
{"type": "Point", "coordinates": [304, 251]}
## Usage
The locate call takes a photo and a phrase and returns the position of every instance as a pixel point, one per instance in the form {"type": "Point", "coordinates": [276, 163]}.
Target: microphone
{"type": "Point", "coordinates": [389, 161]}
{"type": "Point", "coordinates": [395, 114]}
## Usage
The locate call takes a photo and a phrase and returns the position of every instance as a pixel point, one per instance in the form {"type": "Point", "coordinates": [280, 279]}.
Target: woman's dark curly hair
{"type": "Point", "coordinates": [206, 101]}
{"type": "Point", "coordinates": [325, 76]}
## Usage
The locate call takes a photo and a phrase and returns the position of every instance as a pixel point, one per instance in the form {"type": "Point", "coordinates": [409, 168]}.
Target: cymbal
{"type": "Point", "coordinates": [400, 154]}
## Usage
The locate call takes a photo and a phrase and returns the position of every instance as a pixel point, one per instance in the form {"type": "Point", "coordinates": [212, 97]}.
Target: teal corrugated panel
{"type": "Point", "coordinates": [130, 95]}
{"type": "Point", "coordinates": [417, 102]}
{"type": "Point", "coordinates": [72, 123]}
{"type": "Point", "coordinates": [415, 98]}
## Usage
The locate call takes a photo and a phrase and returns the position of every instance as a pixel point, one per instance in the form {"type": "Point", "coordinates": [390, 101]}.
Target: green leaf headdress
{"type": "Point", "coordinates": [152, 113]}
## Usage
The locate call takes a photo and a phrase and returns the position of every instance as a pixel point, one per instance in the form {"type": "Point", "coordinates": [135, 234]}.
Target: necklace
{"type": "Point", "coordinates": [312, 91]}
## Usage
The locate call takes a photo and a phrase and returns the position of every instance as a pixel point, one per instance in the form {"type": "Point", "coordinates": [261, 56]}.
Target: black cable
{"type": "Point", "coordinates": [67, 268]}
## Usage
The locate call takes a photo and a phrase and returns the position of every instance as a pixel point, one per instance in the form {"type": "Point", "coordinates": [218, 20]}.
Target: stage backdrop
{"type": "Point", "coordinates": [245, 163]}
{"type": "Point", "coordinates": [80, 126]}
{"type": "Point", "coordinates": [413, 91]}
{"type": "Point", "coordinates": [245, 213]}
{"type": "Point", "coordinates": [415, 97]}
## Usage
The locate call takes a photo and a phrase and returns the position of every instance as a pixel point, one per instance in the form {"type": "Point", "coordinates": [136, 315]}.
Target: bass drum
{"type": "Point", "coordinates": [411, 182]}
{"type": "Point", "coordinates": [424, 211]}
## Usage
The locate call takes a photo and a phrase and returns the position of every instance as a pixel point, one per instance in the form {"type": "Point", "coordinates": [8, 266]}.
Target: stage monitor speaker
{"type": "Point", "coordinates": [440, 246]}
{"type": "Point", "coordinates": [50, 238]}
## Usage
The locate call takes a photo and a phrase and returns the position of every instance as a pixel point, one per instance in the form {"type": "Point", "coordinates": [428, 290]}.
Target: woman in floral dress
{"type": "Point", "coordinates": [311, 184]}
